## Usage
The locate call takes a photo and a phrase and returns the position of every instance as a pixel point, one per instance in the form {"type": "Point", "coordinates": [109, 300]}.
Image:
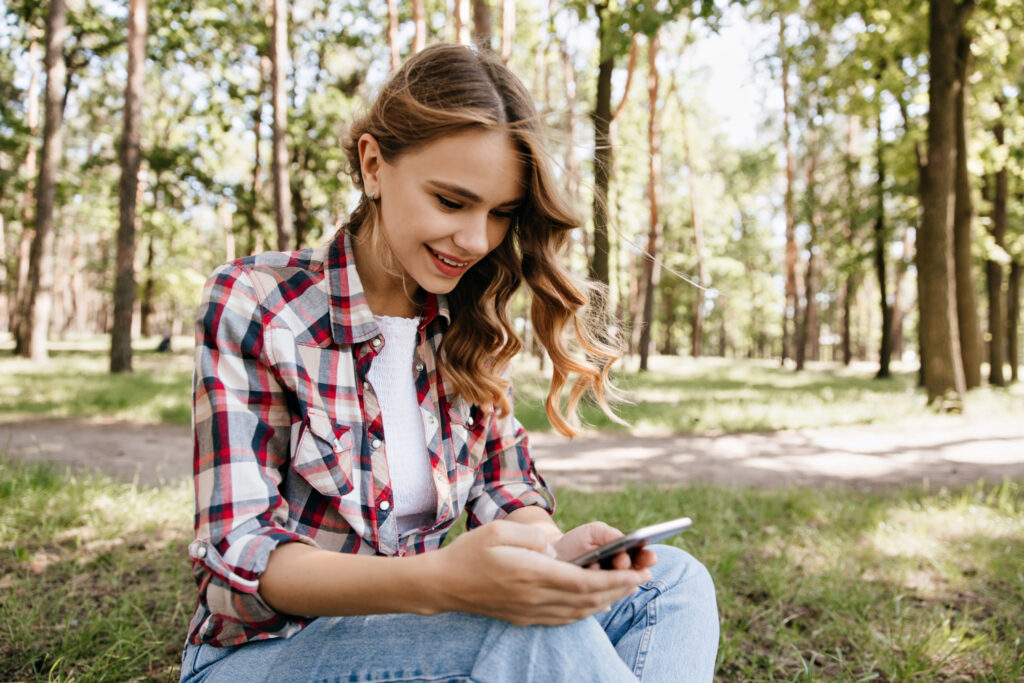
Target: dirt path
{"type": "Point", "coordinates": [941, 450]}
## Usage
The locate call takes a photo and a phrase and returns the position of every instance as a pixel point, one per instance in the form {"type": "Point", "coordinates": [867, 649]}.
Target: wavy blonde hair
{"type": "Point", "coordinates": [448, 89]}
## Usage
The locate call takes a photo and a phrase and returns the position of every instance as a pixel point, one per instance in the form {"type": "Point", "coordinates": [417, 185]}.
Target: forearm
{"type": "Point", "coordinates": [313, 582]}
{"type": "Point", "coordinates": [538, 517]}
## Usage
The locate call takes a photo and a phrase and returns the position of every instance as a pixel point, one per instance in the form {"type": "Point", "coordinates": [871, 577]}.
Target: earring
{"type": "Point", "coordinates": [371, 195]}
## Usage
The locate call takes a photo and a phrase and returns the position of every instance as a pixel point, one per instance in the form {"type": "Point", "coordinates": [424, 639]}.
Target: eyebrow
{"type": "Point", "coordinates": [469, 194]}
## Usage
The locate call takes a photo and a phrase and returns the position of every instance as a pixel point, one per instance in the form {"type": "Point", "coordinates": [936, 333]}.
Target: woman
{"type": "Point", "coordinates": [351, 401]}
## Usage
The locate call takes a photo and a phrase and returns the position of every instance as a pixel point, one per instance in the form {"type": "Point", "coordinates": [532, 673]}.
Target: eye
{"type": "Point", "coordinates": [447, 203]}
{"type": "Point", "coordinates": [504, 215]}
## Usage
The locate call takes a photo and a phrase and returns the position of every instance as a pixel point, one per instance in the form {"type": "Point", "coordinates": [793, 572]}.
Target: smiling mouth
{"type": "Point", "coordinates": [449, 261]}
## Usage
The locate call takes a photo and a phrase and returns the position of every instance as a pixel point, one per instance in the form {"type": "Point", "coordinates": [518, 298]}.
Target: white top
{"type": "Point", "coordinates": [393, 380]}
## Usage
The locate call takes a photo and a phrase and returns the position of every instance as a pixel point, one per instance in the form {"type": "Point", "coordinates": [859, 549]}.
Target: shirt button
{"type": "Point", "coordinates": [376, 342]}
{"type": "Point", "coordinates": [441, 477]}
{"type": "Point", "coordinates": [419, 367]}
{"type": "Point", "coordinates": [338, 445]}
{"type": "Point", "coordinates": [375, 444]}
{"type": "Point", "coordinates": [385, 505]}
{"type": "Point", "coordinates": [201, 552]}
{"type": "Point", "coordinates": [431, 420]}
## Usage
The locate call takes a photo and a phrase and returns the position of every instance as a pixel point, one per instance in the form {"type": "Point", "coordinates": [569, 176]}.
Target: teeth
{"type": "Point", "coordinates": [455, 264]}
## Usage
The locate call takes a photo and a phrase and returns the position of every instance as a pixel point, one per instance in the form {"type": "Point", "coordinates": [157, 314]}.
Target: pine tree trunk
{"type": "Point", "coordinates": [482, 24]}
{"type": "Point", "coordinates": [32, 340]}
{"type": "Point", "coordinates": [419, 22]}
{"type": "Point", "coordinates": [881, 268]}
{"type": "Point", "coordinates": [651, 273]}
{"type": "Point", "coordinates": [939, 331]}
{"type": "Point", "coordinates": [602, 117]}
{"type": "Point", "coordinates": [1013, 319]}
{"type": "Point", "coordinates": [966, 294]}
{"type": "Point", "coordinates": [148, 289]}
{"type": "Point", "coordinates": [508, 28]}
{"type": "Point", "coordinates": [393, 46]}
{"type": "Point", "coordinates": [19, 285]}
{"type": "Point", "coordinates": [792, 299]}
{"type": "Point", "coordinates": [994, 273]}
{"type": "Point", "coordinates": [131, 159]}
{"type": "Point", "coordinates": [279, 70]}
{"type": "Point", "coordinates": [461, 21]}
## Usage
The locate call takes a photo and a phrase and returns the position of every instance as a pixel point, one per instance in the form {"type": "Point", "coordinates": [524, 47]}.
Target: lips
{"type": "Point", "coordinates": [447, 265]}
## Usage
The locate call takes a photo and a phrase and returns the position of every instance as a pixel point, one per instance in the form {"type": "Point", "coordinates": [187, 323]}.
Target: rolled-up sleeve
{"type": "Point", "coordinates": [507, 479]}
{"type": "Point", "coordinates": [241, 428]}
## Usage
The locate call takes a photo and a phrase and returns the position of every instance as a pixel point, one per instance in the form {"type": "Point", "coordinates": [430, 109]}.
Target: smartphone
{"type": "Point", "coordinates": [633, 542]}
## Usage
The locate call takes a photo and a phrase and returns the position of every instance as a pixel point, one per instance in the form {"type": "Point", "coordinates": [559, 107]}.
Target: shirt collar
{"type": "Point", "coordinates": [352, 320]}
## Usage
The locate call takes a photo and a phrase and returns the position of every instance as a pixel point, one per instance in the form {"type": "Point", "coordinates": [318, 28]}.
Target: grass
{"type": "Point", "coordinates": [912, 585]}
{"type": "Point", "coordinates": [678, 395]}
{"type": "Point", "coordinates": [76, 382]}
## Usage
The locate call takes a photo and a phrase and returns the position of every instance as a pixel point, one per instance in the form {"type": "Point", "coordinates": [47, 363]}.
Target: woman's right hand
{"type": "Point", "coordinates": [503, 570]}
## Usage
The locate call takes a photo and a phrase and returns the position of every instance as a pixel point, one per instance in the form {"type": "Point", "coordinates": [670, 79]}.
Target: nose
{"type": "Point", "coordinates": [472, 235]}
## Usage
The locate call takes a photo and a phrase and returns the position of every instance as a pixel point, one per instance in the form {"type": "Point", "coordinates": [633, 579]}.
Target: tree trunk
{"type": "Point", "coordinates": [396, 54]}
{"type": "Point", "coordinates": [602, 163]}
{"type": "Point", "coordinates": [703, 276]}
{"type": "Point", "coordinates": [461, 21]}
{"type": "Point", "coordinates": [1013, 319]}
{"type": "Point", "coordinates": [789, 314]}
{"type": "Point", "coordinates": [131, 159]}
{"type": "Point", "coordinates": [419, 22]}
{"type": "Point", "coordinates": [279, 71]}
{"type": "Point", "coordinates": [651, 272]}
{"type": "Point", "coordinates": [966, 294]}
{"type": "Point", "coordinates": [881, 268]}
{"type": "Point", "coordinates": [994, 272]}
{"type": "Point", "coordinates": [32, 340]}
{"type": "Point", "coordinates": [508, 28]}
{"type": "Point", "coordinates": [146, 304]}
{"type": "Point", "coordinates": [849, 289]}
{"type": "Point", "coordinates": [482, 24]}
{"type": "Point", "coordinates": [19, 286]}
{"type": "Point", "coordinates": [943, 372]}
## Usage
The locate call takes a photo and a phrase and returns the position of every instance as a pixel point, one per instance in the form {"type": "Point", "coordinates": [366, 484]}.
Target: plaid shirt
{"type": "Point", "coordinates": [288, 439]}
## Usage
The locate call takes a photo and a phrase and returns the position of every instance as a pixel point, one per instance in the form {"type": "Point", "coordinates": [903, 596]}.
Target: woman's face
{"type": "Point", "coordinates": [443, 207]}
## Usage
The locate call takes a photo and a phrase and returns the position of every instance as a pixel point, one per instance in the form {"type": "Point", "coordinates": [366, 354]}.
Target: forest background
{"type": "Point", "coordinates": [875, 214]}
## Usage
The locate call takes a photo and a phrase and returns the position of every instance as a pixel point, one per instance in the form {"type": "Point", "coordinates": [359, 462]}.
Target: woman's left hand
{"type": "Point", "coordinates": [592, 535]}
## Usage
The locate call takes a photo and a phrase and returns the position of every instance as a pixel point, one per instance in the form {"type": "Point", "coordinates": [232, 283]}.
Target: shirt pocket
{"type": "Point", "coordinates": [468, 426]}
{"type": "Point", "coordinates": [323, 454]}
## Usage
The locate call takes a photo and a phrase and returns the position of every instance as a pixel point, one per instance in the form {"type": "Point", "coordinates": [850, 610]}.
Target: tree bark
{"type": "Point", "coordinates": [419, 22]}
{"type": "Point", "coordinates": [146, 305]}
{"type": "Point", "coordinates": [1013, 319]}
{"type": "Point", "coordinates": [482, 24]}
{"type": "Point", "coordinates": [939, 331]}
{"type": "Point", "coordinates": [651, 273]}
{"type": "Point", "coordinates": [393, 46]}
{"type": "Point", "coordinates": [19, 286]}
{"type": "Point", "coordinates": [32, 341]}
{"type": "Point", "coordinates": [601, 118]}
{"type": "Point", "coordinates": [461, 22]}
{"type": "Point", "coordinates": [131, 159]}
{"type": "Point", "coordinates": [994, 272]}
{"type": "Point", "coordinates": [279, 69]}
{"type": "Point", "coordinates": [508, 28]}
{"type": "Point", "coordinates": [881, 268]}
{"type": "Point", "coordinates": [966, 294]}
{"type": "Point", "coordinates": [789, 314]}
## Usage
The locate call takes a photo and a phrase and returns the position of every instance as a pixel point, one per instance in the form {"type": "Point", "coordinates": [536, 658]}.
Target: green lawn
{"type": "Point", "coordinates": [910, 585]}
{"type": "Point", "coordinates": [678, 395]}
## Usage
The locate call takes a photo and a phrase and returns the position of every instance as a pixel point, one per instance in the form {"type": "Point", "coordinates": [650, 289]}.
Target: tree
{"type": "Point", "coordinates": [278, 88]}
{"type": "Point", "coordinates": [994, 267]}
{"type": "Point", "coordinates": [963, 214]}
{"type": "Point", "coordinates": [650, 269]}
{"type": "Point", "coordinates": [32, 335]}
{"type": "Point", "coordinates": [131, 157]}
{"type": "Point", "coordinates": [943, 369]}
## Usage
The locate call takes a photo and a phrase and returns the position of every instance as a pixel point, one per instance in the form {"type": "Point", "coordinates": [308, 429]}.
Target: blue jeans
{"type": "Point", "coordinates": [667, 631]}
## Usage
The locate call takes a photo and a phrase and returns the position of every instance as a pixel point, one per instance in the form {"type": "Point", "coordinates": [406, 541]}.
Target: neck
{"type": "Point", "coordinates": [386, 288]}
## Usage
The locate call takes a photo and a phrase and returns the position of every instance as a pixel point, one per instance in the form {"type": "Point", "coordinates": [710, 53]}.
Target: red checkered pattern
{"type": "Point", "coordinates": [289, 444]}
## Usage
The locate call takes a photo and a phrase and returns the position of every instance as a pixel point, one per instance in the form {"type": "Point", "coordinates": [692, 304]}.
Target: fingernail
{"type": "Point", "coordinates": [550, 550]}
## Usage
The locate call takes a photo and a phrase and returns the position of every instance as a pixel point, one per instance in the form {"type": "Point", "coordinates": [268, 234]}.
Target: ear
{"type": "Point", "coordinates": [370, 161]}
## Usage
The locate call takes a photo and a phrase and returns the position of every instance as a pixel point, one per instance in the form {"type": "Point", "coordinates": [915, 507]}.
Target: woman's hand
{"type": "Point", "coordinates": [502, 570]}
{"type": "Point", "coordinates": [593, 535]}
